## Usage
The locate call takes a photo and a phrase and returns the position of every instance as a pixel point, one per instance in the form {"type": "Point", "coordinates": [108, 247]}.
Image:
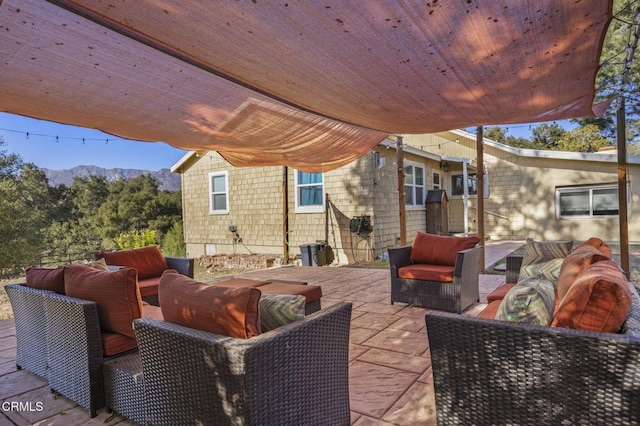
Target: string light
{"type": "Point", "coordinates": [84, 140]}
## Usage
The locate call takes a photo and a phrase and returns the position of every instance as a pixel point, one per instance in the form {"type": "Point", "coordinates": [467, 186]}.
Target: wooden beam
{"type": "Point", "coordinates": [401, 206]}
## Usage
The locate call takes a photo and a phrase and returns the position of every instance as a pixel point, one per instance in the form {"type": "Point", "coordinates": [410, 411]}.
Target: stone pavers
{"type": "Point", "coordinates": [389, 373]}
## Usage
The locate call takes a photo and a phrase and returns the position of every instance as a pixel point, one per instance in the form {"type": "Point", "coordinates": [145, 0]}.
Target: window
{"type": "Point", "coordinates": [436, 180]}
{"type": "Point", "coordinates": [457, 184]}
{"type": "Point", "coordinates": [218, 193]}
{"type": "Point", "coordinates": [587, 201]}
{"type": "Point", "coordinates": [309, 192]}
{"type": "Point", "coordinates": [414, 185]}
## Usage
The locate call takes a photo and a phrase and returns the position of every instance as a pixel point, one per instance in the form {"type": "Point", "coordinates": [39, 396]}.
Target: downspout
{"type": "Point", "coordinates": [401, 206]}
{"type": "Point", "coordinates": [465, 197]}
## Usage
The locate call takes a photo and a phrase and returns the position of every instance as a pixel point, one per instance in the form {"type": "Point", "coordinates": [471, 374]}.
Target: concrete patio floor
{"type": "Point", "coordinates": [390, 370]}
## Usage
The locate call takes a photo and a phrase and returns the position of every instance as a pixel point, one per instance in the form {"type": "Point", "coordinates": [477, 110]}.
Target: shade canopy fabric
{"type": "Point", "coordinates": [311, 84]}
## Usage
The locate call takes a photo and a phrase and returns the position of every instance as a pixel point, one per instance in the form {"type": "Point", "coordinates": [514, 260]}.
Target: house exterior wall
{"type": "Point", "coordinates": [522, 201]}
{"type": "Point", "coordinates": [366, 187]}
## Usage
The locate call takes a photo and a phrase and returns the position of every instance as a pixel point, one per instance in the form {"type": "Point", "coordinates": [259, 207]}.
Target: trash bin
{"type": "Point", "coordinates": [313, 254]}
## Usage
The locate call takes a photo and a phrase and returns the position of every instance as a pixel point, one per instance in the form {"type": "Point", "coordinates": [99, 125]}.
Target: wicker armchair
{"type": "Point", "coordinates": [454, 296]}
{"type": "Point", "coordinates": [296, 374]}
{"type": "Point", "coordinates": [74, 350]}
{"type": "Point", "coordinates": [493, 372]}
{"type": "Point", "coordinates": [28, 313]}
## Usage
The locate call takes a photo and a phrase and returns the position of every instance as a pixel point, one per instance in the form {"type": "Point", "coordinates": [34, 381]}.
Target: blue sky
{"type": "Point", "coordinates": [43, 149]}
{"type": "Point", "coordinates": [68, 150]}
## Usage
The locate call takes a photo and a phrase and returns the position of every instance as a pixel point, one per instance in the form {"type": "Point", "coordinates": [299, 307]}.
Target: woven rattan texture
{"type": "Point", "coordinates": [296, 374]}
{"type": "Point", "coordinates": [74, 350]}
{"type": "Point", "coordinates": [28, 312]}
{"type": "Point", "coordinates": [453, 296]}
{"type": "Point", "coordinates": [494, 372]}
{"type": "Point", "coordinates": [124, 386]}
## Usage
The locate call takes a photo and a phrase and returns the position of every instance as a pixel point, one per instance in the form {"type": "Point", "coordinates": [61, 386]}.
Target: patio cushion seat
{"type": "Point", "coordinates": [150, 263]}
{"type": "Point", "coordinates": [311, 292]}
{"type": "Point", "coordinates": [149, 287]}
{"type": "Point", "coordinates": [116, 343]}
{"type": "Point", "coordinates": [438, 273]}
{"type": "Point", "coordinates": [499, 293]}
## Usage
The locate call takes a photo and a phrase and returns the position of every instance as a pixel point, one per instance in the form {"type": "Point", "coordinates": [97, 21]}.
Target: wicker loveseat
{"type": "Point", "coordinates": [150, 263]}
{"type": "Point", "coordinates": [437, 272]}
{"type": "Point", "coordinates": [488, 371]}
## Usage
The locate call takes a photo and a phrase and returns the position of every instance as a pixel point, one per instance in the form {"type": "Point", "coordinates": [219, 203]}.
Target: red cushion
{"type": "Point", "coordinates": [115, 292]}
{"type": "Point", "coordinates": [491, 310]}
{"type": "Point", "coordinates": [116, 343]}
{"type": "Point", "coordinates": [574, 263]}
{"type": "Point", "coordinates": [148, 261]}
{"type": "Point", "coordinates": [600, 245]}
{"type": "Point", "coordinates": [599, 300]}
{"type": "Point", "coordinates": [150, 311]}
{"type": "Point", "coordinates": [310, 292]}
{"type": "Point", "coordinates": [46, 279]}
{"type": "Point", "coordinates": [240, 282]}
{"type": "Point", "coordinates": [149, 287]}
{"type": "Point", "coordinates": [222, 310]}
{"type": "Point", "coordinates": [499, 293]}
{"type": "Point", "coordinates": [439, 250]}
{"type": "Point", "coordinates": [439, 273]}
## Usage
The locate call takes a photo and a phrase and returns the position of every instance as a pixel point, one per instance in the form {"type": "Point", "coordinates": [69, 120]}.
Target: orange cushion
{"type": "Point", "coordinates": [149, 286]}
{"type": "Point", "coordinates": [491, 310]}
{"type": "Point", "coordinates": [116, 343]}
{"type": "Point", "coordinates": [439, 273]}
{"type": "Point", "coordinates": [574, 263]}
{"type": "Point", "coordinates": [148, 261]}
{"type": "Point", "coordinates": [240, 282]}
{"type": "Point", "coordinates": [600, 245]}
{"type": "Point", "coordinates": [151, 311]}
{"type": "Point", "coordinates": [598, 300]}
{"type": "Point", "coordinates": [439, 250]}
{"type": "Point", "coordinates": [310, 292]}
{"type": "Point", "coordinates": [222, 310]}
{"type": "Point", "coordinates": [499, 293]}
{"type": "Point", "coordinates": [46, 279]}
{"type": "Point", "coordinates": [115, 292]}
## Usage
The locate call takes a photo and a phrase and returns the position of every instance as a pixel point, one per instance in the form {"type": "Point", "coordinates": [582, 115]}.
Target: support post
{"type": "Point", "coordinates": [401, 206]}
{"type": "Point", "coordinates": [623, 217]}
{"type": "Point", "coordinates": [480, 185]}
{"type": "Point", "coordinates": [285, 215]}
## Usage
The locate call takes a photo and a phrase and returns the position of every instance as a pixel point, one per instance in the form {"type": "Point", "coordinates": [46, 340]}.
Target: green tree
{"type": "Point", "coordinates": [21, 236]}
{"type": "Point", "coordinates": [547, 136]}
{"type": "Point", "coordinates": [582, 139]}
{"type": "Point", "coordinates": [614, 52]}
{"type": "Point", "coordinates": [173, 242]}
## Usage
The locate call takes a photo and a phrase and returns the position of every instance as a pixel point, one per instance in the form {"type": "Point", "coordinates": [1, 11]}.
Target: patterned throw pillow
{"type": "Point", "coordinates": [530, 301]}
{"type": "Point", "coordinates": [277, 310]}
{"type": "Point", "coordinates": [99, 264]}
{"type": "Point", "coordinates": [544, 258]}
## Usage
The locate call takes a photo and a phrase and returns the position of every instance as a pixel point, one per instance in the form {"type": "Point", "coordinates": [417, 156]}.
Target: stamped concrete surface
{"type": "Point", "coordinates": [390, 377]}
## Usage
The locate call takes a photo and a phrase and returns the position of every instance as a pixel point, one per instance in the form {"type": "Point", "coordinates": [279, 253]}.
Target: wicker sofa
{"type": "Point", "coordinates": [448, 282]}
{"type": "Point", "coordinates": [497, 372]}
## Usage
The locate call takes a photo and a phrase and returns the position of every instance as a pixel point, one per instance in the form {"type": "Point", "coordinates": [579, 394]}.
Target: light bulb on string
{"type": "Point", "coordinates": [27, 135]}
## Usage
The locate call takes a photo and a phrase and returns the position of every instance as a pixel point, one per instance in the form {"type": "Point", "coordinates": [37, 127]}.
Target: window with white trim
{"type": "Point", "coordinates": [588, 201]}
{"type": "Point", "coordinates": [219, 192]}
{"type": "Point", "coordinates": [414, 188]}
{"type": "Point", "coordinates": [309, 192]}
{"type": "Point", "coordinates": [457, 184]}
{"type": "Point", "coordinates": [436, 180]}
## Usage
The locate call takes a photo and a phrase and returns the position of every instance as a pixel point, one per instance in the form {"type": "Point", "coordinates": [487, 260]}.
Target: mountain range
{"type": "Point", "coordinates": [167, 181]}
